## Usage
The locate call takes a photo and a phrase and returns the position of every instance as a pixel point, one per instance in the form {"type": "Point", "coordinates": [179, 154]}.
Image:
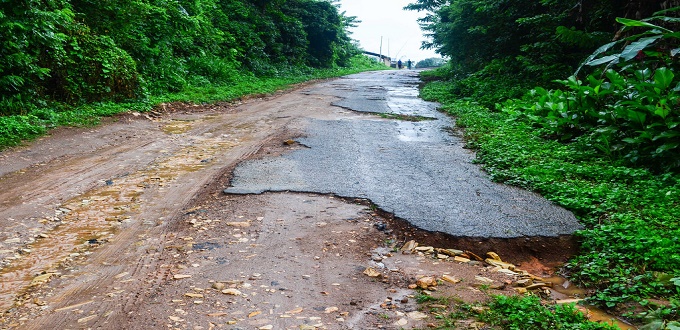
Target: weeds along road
{"type": "Point", "coordinates": [125, 225]}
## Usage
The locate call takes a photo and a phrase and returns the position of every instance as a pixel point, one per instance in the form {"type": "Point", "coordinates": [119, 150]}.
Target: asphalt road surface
{"type": "Point", "coordinates": [416, 170]}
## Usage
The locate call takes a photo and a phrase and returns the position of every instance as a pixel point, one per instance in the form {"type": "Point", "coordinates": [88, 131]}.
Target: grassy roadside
{"type": "Point", "coordinates": [630, 250]}
{"type": "Point", "coordinates": [19, 128]}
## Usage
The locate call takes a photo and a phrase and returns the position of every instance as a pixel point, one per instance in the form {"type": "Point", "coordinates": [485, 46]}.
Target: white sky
{"type": "Point", "coordinates": [399, 28]}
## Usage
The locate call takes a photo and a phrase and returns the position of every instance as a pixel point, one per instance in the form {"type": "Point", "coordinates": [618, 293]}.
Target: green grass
{"type": "Point", "coordinates": [630, 249]}
{"type": "Point", "coordinates": [17, 129]}
{"type": "Point", "coordinates": [507, 312]}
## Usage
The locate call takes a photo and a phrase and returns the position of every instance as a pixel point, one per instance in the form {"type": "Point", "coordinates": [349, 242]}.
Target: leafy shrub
{"type": "Point", "coordinates": [631, 113]}
{"type": "Point", "coordinates": [527, 313]}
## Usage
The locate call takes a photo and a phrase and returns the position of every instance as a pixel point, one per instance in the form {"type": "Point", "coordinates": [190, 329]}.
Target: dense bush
{"type": "Point", "coordinates": [77, 51]}
{"type": "Point", "coordinates": [499, 45]}
{"type": "Point", "coordinates": [628, 109]}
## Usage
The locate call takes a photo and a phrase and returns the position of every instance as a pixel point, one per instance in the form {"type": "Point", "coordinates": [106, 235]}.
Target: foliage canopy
{"type": "Point", "coordinates": [69, 52]}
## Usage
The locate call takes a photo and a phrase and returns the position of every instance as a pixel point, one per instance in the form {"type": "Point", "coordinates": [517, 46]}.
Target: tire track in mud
{"type": "Point", "coordinates": [103, 257]}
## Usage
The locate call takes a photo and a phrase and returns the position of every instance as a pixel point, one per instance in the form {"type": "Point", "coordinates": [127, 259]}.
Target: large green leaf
{"type": "Point", "coordinates": [596, 53]}
{"type": "Point", "coordinates": [603, 60]}
{"type": "Point", "coordinates": [663, 77]}
{"type": "Point", "coordinates": [635, 47]}
{"type": "Point", "coordinates": [636, 23]}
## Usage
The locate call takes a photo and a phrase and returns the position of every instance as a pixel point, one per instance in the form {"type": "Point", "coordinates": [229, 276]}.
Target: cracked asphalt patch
{"type": "Point", "coordinates": [414, 170]}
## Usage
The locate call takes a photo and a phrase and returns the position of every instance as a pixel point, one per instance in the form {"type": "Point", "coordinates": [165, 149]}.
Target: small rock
{"type": "Point", "coordinates": [232, 292]}
{"type": "Point", "coordinates": [426, 282]}
{"type": "Point", "coordinates": [401, 322]}
{"type": "Point", "coordinates": [461, 259]}
{"type": "Point", "coordinates": [524, 282]}
{"type": "Point", "coordinates": [450, 252]}
{"type": "Point", "coordinates": [218, 286]}
{"type": "Point", "coordinates": [521, 290]}
{"type": "Point", "coordinates": [409, 247]}
{"type": "Point", "coordinates": [483, 279]}
{"type": "Point", "coordinates": [180, 276]}
{"type": "Point", "coordinates": [494, 256]}
{"type": "Point", "coordinates": [450, 279]}
{"type": "Point", "coordinates": [370, 272]}
{"type": "Point", "coordinates": [501, 264]}
{"type": "Point", "coordinates": [424, 249]}
{"type": "Point", "coordinates": [416, 315]}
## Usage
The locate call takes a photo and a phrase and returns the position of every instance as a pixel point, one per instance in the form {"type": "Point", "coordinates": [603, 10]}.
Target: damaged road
{"type": "Point", "coordinates": [415, 170]}
{"type": "Point", "coordinates": [126, 225]}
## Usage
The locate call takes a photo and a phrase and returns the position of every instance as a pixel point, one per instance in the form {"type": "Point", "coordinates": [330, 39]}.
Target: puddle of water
{"type": "Point", "coordinates": [418, 132]}
{"type": "Point", "coordinates": [596, 315]}
{"type": "Point", "coordinates": [563, 289]}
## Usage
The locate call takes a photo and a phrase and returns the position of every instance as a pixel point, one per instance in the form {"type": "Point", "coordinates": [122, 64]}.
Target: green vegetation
{"type": "Point", "coordinates": [527, 313]}
{"type": "Point", "coordinates": [507, 312]}
{"type": "Point", "coordinates": [600, 136]}
{"type": "Point", "coordinates": [69, 62]}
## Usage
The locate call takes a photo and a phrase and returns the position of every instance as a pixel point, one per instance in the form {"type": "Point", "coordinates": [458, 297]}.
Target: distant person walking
{"type": "Point", "coordinates": [399, 64]}
{"type": "Point", "coordinates": [408, 64]}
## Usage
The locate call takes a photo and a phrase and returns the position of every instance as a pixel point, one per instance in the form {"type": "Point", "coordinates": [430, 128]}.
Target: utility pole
{"type": "Point", "coordinates": [380, 53]}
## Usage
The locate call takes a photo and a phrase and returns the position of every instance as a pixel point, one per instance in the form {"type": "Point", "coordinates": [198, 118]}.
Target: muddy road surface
{"type": "Point", "coordinates": [127, 225]}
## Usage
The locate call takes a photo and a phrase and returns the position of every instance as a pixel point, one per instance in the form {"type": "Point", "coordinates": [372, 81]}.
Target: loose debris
{"type": "Point", "coordinates": [522, 280]}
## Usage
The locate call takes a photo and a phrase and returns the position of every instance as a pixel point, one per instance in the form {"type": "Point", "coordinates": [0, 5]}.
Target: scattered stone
{"type": "Point", "coordinates": [461, 259]}
{"type": "Point", "coordinates": [219, 286]}
{"type": "Point", "coordinates": [240, 224]}
{"type": "Point", "coordinates": [424, 249]}
{"type": "Point", "coordinates": [524, 282]}
{"type": "Point", "coordinates": [426, 282]}
{"type": "Point", "coordinates": [217, 314]}
{"type": "Point", "coordinates": [409, 247]}
{"type": "Point", "coordinates": [295, 311]}
{"type": "Point", "coordinates": [332, 309]}
{"type": "Point", "coordinates": [483, 279]}
{"type": "Point", "coordinates": [370, 272]}
{"type": "Point", "coordinates": [401, 322]}
{"type": "Point", "coordinates": [232, 292]}
{"type": "Point", "coordinates": [479, 309]}
{"type": "Point", "coordinates": [501, 264]}
{"type": "Point", "coordinates": [450, 279]}
{"type": "Point", "coordinates": [416, 315]}
{"type": "Point", "coordinates": [180, 276]}
{"type": "Point", "coordinates": [494, 256]}
{"type": "Point", "coordinates": [40, 279]}
{"type": "Point", "coordinates": [473, 255]}
{"type": "Point", "coordinates": [450, 252]}
{"type": "Point", "coordinates": [194, 295]}
{"type": "Point", "coordinates": [255, 313]}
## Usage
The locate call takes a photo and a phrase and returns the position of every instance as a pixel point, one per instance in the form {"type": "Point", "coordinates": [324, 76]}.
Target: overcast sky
{"type": "Point", "coordinates": [399, 28]}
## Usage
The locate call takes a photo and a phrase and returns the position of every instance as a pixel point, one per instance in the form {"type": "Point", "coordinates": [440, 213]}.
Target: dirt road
{"type": "Point", "coordinates": [125, 226]}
